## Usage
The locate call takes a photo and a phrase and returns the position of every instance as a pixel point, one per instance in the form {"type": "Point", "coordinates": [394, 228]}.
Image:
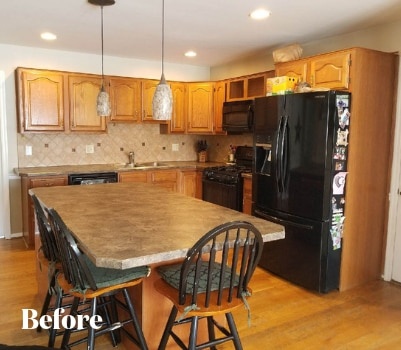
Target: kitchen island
{"type": "Point", "coordinates": [122, 225]}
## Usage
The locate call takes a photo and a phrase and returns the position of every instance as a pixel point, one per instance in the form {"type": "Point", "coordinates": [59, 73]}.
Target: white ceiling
{"type": "Point", "coordinates": [219, 30]}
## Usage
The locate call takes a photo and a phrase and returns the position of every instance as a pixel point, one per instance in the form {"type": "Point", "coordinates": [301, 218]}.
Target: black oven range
{"type": "Point", "coordinates": [223, 185]}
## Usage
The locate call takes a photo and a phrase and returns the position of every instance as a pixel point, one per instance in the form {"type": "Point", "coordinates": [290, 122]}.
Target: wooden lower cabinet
{"type": "Point", "coordinates": [247, 196]}
{"type": "Point", "coordinates": [184, 181]}
{"type": "Point", "coordinates": [28, 213]}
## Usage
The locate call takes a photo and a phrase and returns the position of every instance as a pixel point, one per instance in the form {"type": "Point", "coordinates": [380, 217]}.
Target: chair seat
{"type": "Point", "coordinates": [171, 274]}
{"type": "Point", "coordinates": [106, 280]}
{"type": "Point", "coordinates": [170, 292]}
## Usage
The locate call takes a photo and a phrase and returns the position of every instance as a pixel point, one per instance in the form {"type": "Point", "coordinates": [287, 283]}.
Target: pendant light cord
{"type": "Point", "coordinates": [163, 38]}
{"type": "Point", "coordinates": [101, 30]}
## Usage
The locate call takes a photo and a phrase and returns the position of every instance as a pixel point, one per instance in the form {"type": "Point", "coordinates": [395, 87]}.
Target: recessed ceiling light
{"type": "Point", "coordinates": [190, 53]}
{"type": "Point", "coordinates": [48, 36]}
{"type": "Point", "coordinates": [260, 14]}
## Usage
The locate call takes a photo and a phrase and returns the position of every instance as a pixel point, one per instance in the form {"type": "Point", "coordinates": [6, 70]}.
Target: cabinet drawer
{"type": "Point", "coordinates": [48, 182]}
{"type": "Point", "coordinates": [135, 176]}
{"type": "Point", "coordinates": [163, 176]}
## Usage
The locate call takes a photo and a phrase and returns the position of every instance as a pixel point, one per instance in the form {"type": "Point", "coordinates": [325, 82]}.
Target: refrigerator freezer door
{"type": "Point", "coordinates": [301, 155]}
{"type": "Point", "coordinates": [306, 256]}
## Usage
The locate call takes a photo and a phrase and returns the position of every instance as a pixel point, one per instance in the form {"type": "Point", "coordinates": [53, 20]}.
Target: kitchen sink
{"type": "Point", "coordinates": [152, 165]}
{"type": "Point", "coordinates": [146, 165]}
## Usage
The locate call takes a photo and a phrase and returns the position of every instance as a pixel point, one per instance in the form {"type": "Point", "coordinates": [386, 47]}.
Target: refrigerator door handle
{"type": "Point", "coordinates": [284, 152]}
{"type": "Point", "coordinates": [279, 153]}
{"type": "Point", "coordinates": [281, 221]}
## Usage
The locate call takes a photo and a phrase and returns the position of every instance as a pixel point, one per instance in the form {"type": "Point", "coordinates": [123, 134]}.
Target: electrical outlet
{"type": "Point", "coordinates": [28, 150]}
{"type": "Point", "coordinates": [90, 149]}
{"type": "Point", "coordinates": [174, 147]}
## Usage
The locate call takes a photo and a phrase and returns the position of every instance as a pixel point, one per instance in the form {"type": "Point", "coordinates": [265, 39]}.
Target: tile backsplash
{"type": "Point", "coordinates": [114, 146]}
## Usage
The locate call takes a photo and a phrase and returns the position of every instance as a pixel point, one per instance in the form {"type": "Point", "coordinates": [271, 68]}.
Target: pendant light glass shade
{"type": "Point", "coordinates": [103, 99]}
{"type": "Point", "coordinates": [103, 103]}
{"type": "Point", "coordinates": [162, 103]}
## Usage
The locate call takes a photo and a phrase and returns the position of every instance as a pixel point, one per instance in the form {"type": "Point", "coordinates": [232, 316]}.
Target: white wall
{"type": "Point", "coordinates": [382, 38]}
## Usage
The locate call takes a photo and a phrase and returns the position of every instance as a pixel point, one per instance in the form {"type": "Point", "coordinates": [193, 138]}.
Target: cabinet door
{"type": "Point", "coordinates": [199, 184]}
{"type": "Point", "coordinates": [40, 100]}
{"type": "Point", "coordinates": [296, 69]}
{"type": "Point", "coordinates": [83, 91]}
{"type": "Point", "coordinates": [331, 71]}
{"type": "Point", "coordinates": [125, 99]}
{"type": "Point", "coordinates": [28, 212]}
{"type": "Point", "coordinates": [200, 108]}
{"type": "Point", "coordinates": [219, 99]}
{"type": "Point", "coordinates": [178, 119]}
{"type": "Point", "coordinates": [188, 182]}
{"type": "Point", "coordinates": [148, 91]}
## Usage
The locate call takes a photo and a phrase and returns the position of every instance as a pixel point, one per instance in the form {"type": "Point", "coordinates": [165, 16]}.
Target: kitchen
{"type": "Point", "coordinates": [148, 150]}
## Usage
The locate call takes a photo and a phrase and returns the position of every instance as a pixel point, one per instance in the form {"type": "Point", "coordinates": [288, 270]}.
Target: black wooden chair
{"type": "Point", "coordinates": [101, 286]}
{"type": "Point", "coordinates": [212, 280]}
{"type": "Point", "coordinates": [49, 259]}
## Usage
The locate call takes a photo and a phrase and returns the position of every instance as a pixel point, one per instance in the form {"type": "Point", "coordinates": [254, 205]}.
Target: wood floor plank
{"type": "Point", "coordinates": [283, 316]}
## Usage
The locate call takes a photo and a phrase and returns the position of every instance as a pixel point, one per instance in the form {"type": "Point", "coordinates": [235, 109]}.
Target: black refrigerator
{"type": "Point", "coordinates": [299, 181]}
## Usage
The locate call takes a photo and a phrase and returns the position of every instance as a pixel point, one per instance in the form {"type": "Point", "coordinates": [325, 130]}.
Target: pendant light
{"type": "Point", "coordinates": [162, 103]}
{"type": "Point", "coordinates": [103, 99]}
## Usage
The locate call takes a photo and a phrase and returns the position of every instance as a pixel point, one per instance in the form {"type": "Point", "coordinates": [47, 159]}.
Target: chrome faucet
{"type": "Point", "coordinates": [131, 157]}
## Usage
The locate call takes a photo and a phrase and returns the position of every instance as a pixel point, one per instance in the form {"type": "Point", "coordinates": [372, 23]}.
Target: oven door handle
{"type": "Point", "coordinates": [220, 183]}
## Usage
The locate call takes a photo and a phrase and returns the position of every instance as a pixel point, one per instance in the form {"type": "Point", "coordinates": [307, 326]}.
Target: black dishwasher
{"type": "Point", "coordinates": [92, 178]}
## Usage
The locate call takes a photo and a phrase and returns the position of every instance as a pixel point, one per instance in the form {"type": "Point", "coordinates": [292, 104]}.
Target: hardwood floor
{"type": "Point", "coordinates": [284, 316]}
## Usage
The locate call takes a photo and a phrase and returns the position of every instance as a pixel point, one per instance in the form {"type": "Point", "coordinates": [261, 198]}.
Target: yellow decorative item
{"type": "Point", "coordinates": [280, 85]}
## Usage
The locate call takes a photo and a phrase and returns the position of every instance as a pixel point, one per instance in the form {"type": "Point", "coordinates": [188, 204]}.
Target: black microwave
{"type": "Point", "coordinates": [238, 116]}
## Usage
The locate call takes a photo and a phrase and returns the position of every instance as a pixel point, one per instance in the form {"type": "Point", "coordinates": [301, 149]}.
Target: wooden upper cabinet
{"type": "Point", "coordinates": [125, 99]}
{"type": "Point", "coordinates": [296, 69]}
{"type": "Point", "coordinates": [248, 87]}
{"type": "Point", "coordinates": [200, 108]}
{"type": "Point", "coordinates": [219, 99]}
{"type": "Point", "coordinates": [83, 90]}
{"type": "Point", "coordinates": [179, 117]}
{"type": "Point", "coordinates": [331, 71]}
{"type": "Point", "coordinates": [41, 100]}
{"type": "Point", "coordinates": [148, 90]}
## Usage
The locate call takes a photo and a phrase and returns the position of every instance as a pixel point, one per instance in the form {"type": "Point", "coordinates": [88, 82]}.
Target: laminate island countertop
{"type": "Point", "coordinates": [122, 225]}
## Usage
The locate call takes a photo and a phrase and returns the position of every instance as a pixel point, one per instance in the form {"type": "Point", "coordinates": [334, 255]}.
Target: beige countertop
{"type": "Point", "coordinates": [95, 168]}
{"type": "Point", "coordinates": [122, 225]}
